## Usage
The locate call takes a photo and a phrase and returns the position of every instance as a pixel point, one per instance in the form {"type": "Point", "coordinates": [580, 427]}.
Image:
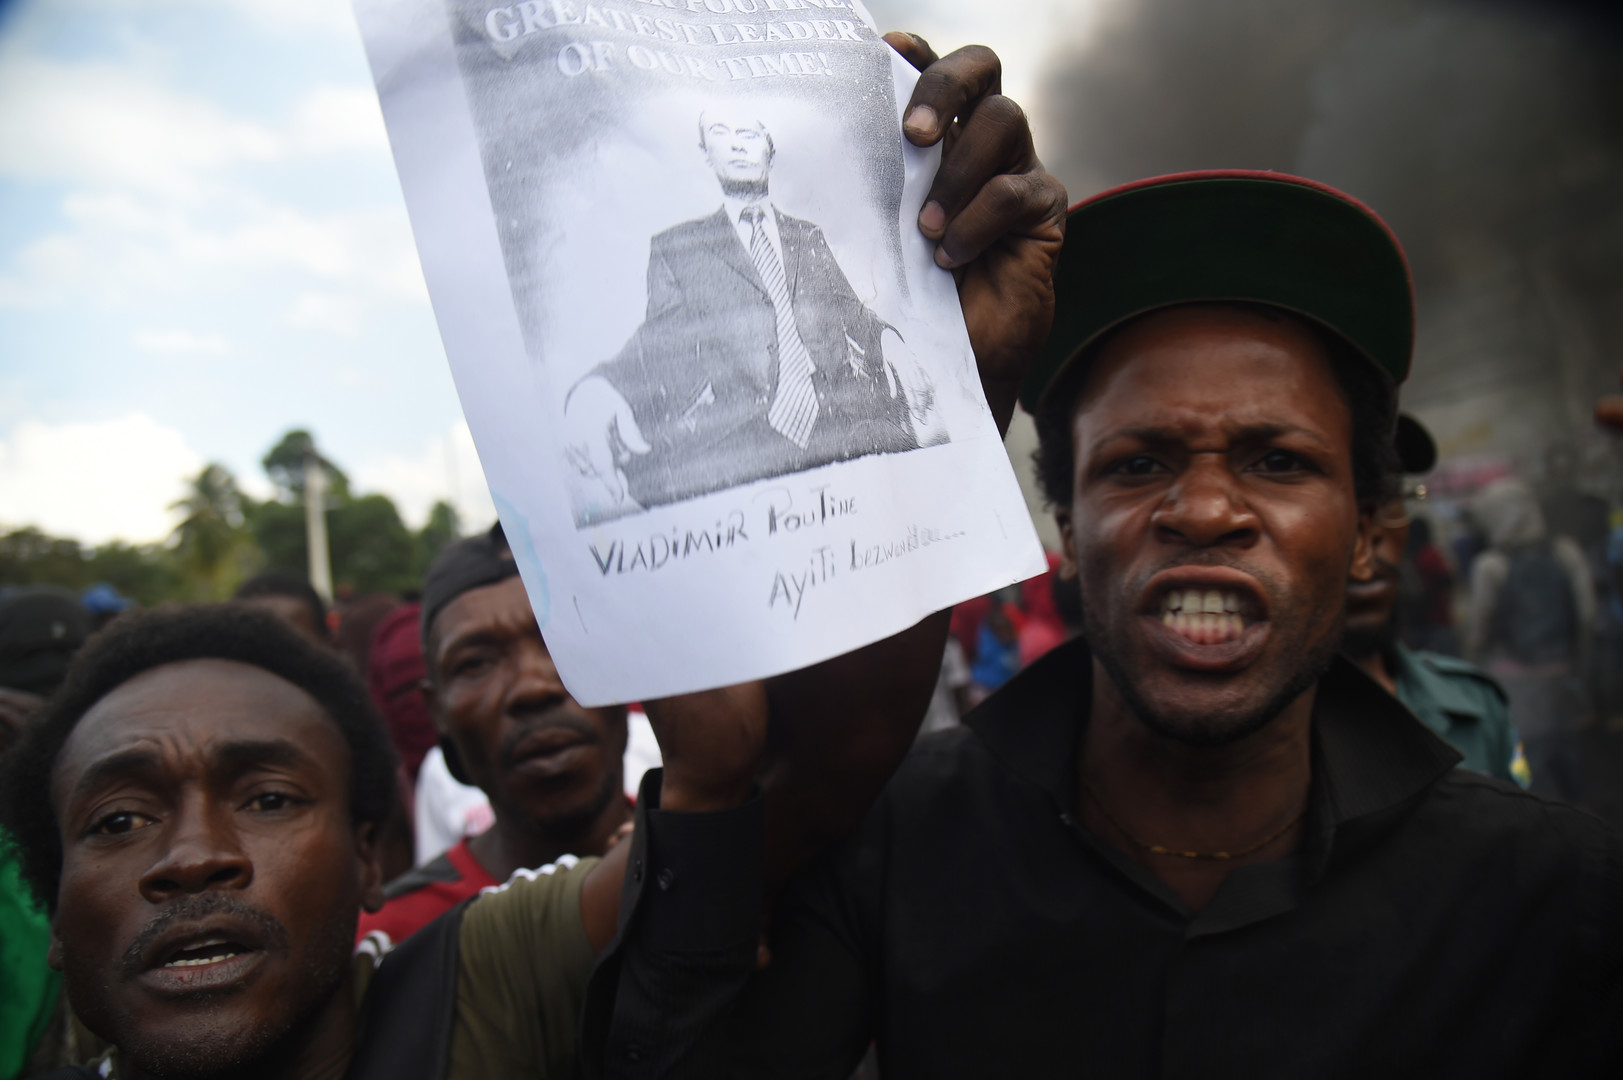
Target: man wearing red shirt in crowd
{"type": "Point", "coordinates": [551, 768]}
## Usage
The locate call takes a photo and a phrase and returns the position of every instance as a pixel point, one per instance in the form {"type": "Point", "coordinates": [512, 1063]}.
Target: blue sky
{"type": "Point", "coordinates": [203, 244]}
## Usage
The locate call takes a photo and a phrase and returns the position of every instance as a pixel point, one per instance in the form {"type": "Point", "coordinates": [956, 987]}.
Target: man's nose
{"type": "Point", "coordinates": [536, 683]}
{"type": "Point", "coordinates": [202, 851]}
{"type": "Point", "coordinates": [1205, 507]}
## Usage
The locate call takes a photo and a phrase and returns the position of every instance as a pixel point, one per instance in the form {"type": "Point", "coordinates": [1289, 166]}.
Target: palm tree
{"type": "Point", "coordinates": [210, 538]}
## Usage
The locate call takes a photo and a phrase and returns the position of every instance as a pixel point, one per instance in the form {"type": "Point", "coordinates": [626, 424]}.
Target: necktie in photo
{"type": "Point", "coordinates": [794, 409]}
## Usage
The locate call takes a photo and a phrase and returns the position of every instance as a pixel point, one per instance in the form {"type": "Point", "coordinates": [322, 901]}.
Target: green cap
{"type": "Point", "coordinates": [1260, 237]}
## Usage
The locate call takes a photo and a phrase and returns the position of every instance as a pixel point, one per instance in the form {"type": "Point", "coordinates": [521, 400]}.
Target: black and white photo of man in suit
{"type": "Point", "coordinates": [755, 357]}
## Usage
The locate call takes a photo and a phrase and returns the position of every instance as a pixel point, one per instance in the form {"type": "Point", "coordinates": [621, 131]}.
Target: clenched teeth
{"type": "Point", "coordinates": [215, 951]}
{"type": "Point", "coordinates": [1204, 628]}
{"type": "Point", "coordinates": [1201, 601]}
{"type": "Point", "coordinates": [200, 961]}
{"type": "Point", "coordinates": [1204, 616]}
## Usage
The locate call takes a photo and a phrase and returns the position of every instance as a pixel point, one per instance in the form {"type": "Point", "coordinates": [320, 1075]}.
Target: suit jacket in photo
{"type": "Point", "coordinates": [701, 371]}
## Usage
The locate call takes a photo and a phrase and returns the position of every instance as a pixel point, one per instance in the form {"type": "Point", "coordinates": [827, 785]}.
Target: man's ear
{"type": "Point", "coordinates": [369, 856]}
{"type": "Point", "coordinates": [1067, 543]}
{"type": "Point", "coordinates": [1363, 560]}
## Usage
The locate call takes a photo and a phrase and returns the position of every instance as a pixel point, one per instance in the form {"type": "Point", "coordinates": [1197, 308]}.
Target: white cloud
{"type": "Point", "coordinates": [336, 313]}
{"type": "Point", "coordinates": [112, 479]}
{"type": "Point", "coordinates": [102, 124]}
{"type": "Point", "coordinates": [338, 118]}
{"type": "Point", "coordinates": [179, 342]}
{"type": "Point", "coordinates": [164, 193]}
{"type": "Point", "coordinates": [447, 468]}
{"type": "Point", "coordinates": [99, 124]}
{"type": "Point", "coordinates": [120, 248]}
{"type": "Point", "coordinates": [287, 16]}
{"type": "Point", "coordinates": [293, 15]}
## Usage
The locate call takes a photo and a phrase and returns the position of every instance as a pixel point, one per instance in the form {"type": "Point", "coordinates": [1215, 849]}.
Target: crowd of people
{"type": "Point", "coordinates": [1212, 796]}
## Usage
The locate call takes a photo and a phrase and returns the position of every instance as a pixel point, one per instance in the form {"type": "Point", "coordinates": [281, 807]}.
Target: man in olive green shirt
{"type": "Point", "coordinates": [198, 810]}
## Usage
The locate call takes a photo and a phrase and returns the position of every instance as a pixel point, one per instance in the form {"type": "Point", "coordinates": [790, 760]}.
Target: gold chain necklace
{"type": "Point", "coordinates": [1157, 849]}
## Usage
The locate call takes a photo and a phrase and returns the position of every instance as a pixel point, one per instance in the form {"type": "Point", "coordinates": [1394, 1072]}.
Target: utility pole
{"type": "Point", "coordinates": [315, 523]}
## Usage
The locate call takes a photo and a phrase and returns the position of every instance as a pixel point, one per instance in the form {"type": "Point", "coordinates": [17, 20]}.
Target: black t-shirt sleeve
{"type": "Point", "coordinates": [690, 918]}
{"type": "Point", "coordinates": [676, 993]}
{"type": "Point", "coordinates": [810, 1013]}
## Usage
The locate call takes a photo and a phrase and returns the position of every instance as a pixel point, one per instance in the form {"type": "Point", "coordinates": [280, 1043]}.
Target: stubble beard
{"type": "Point", "coordinates": [569, 827]}
{"type": "Point", "coordinates": [1206, 731]}
{"type": "Point", "coordinates": [215, 1048]}
{"type": "Point", "coordinates": [577, 821]}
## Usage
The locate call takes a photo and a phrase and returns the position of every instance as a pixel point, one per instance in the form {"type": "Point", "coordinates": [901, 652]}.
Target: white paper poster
{"type": "Point", "coordinates": [723, 396]}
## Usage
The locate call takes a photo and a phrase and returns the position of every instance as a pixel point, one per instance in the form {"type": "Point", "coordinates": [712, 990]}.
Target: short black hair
{"type": "Point", "coordinates": [1370, 396]}
{"type": "Point", "coordinates": [285, 583]}
{"type": "Point", "coordinates": [139, 642]}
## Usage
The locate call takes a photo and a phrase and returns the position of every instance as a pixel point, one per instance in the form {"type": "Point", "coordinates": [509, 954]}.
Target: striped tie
{"type": "Point", "coordinates": [794, 410]}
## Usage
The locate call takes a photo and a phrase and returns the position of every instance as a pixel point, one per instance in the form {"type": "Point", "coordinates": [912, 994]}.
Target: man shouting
{"type": "Point", "coordinates": [1194, 842]}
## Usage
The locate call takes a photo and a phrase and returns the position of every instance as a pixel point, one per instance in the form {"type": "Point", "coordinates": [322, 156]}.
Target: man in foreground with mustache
{"type": "Point", "coordinates": [198, 809]}
{"type": "Point", "coordinates": [1194, 842]}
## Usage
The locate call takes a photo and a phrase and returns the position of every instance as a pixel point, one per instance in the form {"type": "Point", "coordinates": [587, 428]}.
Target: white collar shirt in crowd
{"type": "Point", "coordinates": [446, 809]}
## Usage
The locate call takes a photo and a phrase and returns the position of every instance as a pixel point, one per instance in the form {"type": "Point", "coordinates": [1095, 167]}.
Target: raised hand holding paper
{"type": "Point", "coordinates": [722, 394]}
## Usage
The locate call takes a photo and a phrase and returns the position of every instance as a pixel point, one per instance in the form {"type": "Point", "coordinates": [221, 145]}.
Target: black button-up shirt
{"type": "Point", "coordinates": [1433, 923]}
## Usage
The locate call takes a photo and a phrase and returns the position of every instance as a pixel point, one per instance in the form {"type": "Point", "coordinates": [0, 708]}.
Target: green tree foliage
{"type": "Point", "coordinates": [211, 544]}
{"type": "Point", "coordinates": [284, 464]}
{"type": "Point", "coordinates": [370, 547]}
{"type": "Point", "coordinates": [30, 557]}
{"type": "Point", "coordinates": [145, 573]}
{"type": "Point", "coordinates": [225, 536]}
{"type": "Point", "coordinates": [372, 550]}
{"type": "Point", "coordinates": [278, 530]}
{"type": "Point", "coordinates": [441, 528]}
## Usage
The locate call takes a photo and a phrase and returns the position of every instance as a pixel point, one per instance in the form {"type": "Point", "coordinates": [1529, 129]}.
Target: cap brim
{"type": "Point", "coordinates": [1217, 236]}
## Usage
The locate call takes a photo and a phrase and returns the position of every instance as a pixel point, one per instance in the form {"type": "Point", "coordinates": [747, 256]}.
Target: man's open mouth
{"type": "Point", "coordinates": [203, 953]}
{"type": "Point", "coordinates": [1207, 616]}
{"type": "Point", "coordinates": [215, 954]}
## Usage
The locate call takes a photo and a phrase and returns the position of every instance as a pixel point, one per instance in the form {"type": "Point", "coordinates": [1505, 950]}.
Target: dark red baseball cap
{"type": "Point", "coordinates": [1260, 237]}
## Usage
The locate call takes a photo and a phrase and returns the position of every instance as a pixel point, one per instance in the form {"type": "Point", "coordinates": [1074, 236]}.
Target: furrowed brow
{"type": "Point", "coordinates": [493, 634]}
{"type": "Point", "coordinates": [239, 756]}
{"type": "Point", "coordinates": [1268, 432]}
{"type": "Point", "coordinates": [1156, 437]}
{"type": "Point", "coordinates": [124, 765]}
